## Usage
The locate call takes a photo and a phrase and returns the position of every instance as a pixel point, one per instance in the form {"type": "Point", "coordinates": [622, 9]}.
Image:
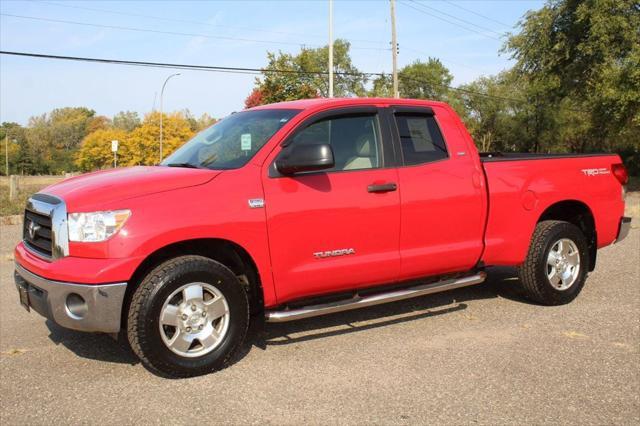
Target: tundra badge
{"type": "Point", "coordinates": [333, 253]}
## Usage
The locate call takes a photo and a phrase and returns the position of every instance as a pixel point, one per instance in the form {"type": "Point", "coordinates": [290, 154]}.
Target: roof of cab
{"type": "Point", "coordinates": [316, 103]}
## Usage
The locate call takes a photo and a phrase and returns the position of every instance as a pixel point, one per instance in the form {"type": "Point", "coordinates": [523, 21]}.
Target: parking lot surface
{"type": "Point", "coordinates": [480, 355]}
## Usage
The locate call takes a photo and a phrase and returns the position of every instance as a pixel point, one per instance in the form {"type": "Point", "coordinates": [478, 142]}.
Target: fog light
{"type": "Point", "coordinates": [76, 306]}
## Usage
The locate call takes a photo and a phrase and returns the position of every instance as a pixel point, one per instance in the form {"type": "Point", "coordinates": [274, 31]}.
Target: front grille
{"type": "Point", "coordinates": [37, 233]}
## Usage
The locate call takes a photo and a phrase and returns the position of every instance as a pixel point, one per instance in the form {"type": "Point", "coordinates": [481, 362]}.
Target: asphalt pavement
{"type": "Point", "coordinates": [480, 355]}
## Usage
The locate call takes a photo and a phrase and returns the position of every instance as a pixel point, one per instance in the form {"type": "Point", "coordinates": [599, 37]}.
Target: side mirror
{"type": "Point", "coordinates": [305, 158]}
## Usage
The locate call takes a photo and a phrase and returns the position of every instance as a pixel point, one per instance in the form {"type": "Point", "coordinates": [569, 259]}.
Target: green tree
{"type": "Point", "coordinates": [508, 112]}
{"type": "Point", "coordinates": [425, 80]}
{"type": "Point", "coordinates": [418, 80]}
{"type": "Point", "coordinates": [39, 145]}
{"type": "Point", "coordinates": [12, 140]}
{"type": "Point", "coordinates": [382, 87]}
{"type": "Point", "coordinates": [126, 120]}
{"type": "Point", "coordinates": [495, 123]}
{"type": "Point", "coordinates": [198, 124]}
{"type": "Point", "coordinates": [69, 126]}
{"type": "Point", "coordinates": [306, 75]}
{"type": "Point", "coordinates": [54, 138]}
{"type": "Point", "coordinates": [205, 121]}
{"type": "Point", "coordinates": [585, 55]}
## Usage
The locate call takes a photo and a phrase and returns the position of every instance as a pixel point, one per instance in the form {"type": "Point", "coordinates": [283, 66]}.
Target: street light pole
{"type": "Point", "coordinates": [161, 94]}
{"type": "Point", "coordinates": [6, 152]}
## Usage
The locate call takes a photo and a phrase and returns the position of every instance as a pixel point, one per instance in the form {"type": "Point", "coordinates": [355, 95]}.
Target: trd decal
{"type": "Point", "coordinates": [595, 172]}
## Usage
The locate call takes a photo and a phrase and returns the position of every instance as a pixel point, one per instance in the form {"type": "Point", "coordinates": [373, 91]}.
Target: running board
{"type": "Point", "coordinates": [358, 301]}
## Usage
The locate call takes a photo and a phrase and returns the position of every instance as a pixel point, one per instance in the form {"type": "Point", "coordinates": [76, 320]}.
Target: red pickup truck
{"type": "Point", "coordinates": [304, 208]}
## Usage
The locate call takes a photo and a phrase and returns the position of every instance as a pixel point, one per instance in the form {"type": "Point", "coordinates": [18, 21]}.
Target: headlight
{"type": "Point", "coordinates": [96, 226]}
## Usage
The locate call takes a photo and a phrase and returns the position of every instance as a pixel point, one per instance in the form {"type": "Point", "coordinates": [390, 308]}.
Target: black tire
{"type": "Point", "coordinates": [143, 329]}
{"type": "Point", "coordinates": [533, 273]}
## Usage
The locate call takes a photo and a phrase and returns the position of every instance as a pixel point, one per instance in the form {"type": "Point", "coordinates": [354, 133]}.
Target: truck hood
{"type": "Point", "coordinates": [103, 187]}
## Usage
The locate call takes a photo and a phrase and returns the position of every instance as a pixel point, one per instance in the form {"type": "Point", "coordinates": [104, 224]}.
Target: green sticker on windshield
{"type": "Point", "coordinates": [245, 142]}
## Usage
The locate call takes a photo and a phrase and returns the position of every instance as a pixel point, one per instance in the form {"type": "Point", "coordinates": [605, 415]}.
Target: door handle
{"type": "Point", "coordinates": [387, 187]}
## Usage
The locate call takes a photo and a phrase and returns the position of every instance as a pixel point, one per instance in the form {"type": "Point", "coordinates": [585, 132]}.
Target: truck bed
{"type": "Point", "coordinates": [522, 190]}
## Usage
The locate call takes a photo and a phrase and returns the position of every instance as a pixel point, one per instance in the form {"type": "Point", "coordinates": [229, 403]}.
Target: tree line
{"type": "Point", "coordinates": [575, 87]}
{"type": "Point", "coordinates": [76, 139]}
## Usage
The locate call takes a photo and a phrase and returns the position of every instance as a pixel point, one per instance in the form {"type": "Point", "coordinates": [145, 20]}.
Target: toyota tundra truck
{"type": "Point", "coordinates": [305, 208]}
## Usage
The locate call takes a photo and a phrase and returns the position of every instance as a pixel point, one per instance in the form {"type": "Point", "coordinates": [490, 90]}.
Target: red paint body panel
{"type": "Point", "coordinates": [446, 216]}
{"type": "Point", "coordinates": [83, 193]}
{"type": "Point", "coordinates": [549, 181]}
{"type": "Point", "coordinates": [443, 208]}
{"type": "Point", "coordinates": [79, 269]}
{"type": "Point", "coordinates": [331, 211]}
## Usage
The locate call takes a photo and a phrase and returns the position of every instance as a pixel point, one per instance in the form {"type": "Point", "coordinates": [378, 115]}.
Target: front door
{"type": "Point", "coordinates": [339, 228]}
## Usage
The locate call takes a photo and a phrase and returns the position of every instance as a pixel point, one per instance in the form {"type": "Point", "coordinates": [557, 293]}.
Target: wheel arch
{"type": "Point", "coordinates": [579, 214]}
{"type": "Point", "coordinates": [227, 252]}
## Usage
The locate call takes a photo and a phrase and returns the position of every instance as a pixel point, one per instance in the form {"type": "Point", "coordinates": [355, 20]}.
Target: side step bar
{"type": "Point", "coordinates": [358, 301]}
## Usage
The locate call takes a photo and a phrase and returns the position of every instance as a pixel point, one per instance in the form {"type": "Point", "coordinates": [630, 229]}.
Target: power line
{"type": "Point", "coordinates": [245, 70]}
{"type": "Point", "coordinates": [186, 21]}
{"type": "Point", "coordinates": [449, 21]}
{"type": "Point", "coordinates": [146, 30]}
{"type": "Point", "coordinates": [175, 66]}
{"type": "Point", "coordinates": [477, 13]}
{"type": "Point", "coordinates": [381, 49]}
{"type": "Point", "coordinates": [455, 17]}
{"type": "Point", "coordinates": [117, 27]}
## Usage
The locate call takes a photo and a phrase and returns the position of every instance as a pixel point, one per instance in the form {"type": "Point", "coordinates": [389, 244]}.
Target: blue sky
{"type": "Point", "coordinates": [210, 33]}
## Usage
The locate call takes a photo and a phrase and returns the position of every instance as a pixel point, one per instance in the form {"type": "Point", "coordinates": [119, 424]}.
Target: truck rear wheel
{"type": "Point", "coordinates": [556, 266]}
{"type": "Point", "coordinates": [187, 317]}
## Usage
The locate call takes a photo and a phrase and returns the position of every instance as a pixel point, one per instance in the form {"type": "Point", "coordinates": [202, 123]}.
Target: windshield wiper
{"type": "Point", "coordinates": [186, 165]}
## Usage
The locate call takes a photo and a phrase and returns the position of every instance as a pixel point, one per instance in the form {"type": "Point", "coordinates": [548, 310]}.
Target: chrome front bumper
{"type": "Point", "coordinates": [623, 230]}
{"type": "Point", "coordinates": [82, 307]}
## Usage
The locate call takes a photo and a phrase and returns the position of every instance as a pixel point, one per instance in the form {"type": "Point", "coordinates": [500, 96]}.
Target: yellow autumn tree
{"type": "Point", "coordinates": [144, 141]}
{"type": "Point", "coordinates": [95, 149]}
{"type": "Point", "coordinates": [141, 146]}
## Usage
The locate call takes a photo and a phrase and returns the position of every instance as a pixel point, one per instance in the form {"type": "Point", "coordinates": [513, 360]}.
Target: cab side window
{"type": "Point", "coordinates": [420, 139]}
{"type": "Point", "coordinates": [355, 140]}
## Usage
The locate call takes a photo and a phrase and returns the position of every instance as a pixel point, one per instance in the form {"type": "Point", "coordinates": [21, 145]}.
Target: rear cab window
{"type": "Point", "coordinates": [420, 138]}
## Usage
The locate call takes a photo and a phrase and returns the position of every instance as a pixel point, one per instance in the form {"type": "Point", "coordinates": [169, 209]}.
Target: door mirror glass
{"type": "Point", "coordinates": [298, 158]}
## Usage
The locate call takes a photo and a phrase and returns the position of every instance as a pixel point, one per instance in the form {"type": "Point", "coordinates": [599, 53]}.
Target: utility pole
{"type": "Point", "coordinates": [331, 48]}
{"type": "Point", "coordinates": [394, 49]}
{"type": "Point", "coordinates": [161, 94]}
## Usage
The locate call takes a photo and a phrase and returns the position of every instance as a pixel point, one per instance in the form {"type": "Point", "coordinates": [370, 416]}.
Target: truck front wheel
{"type": "Point", "coordinates": [556, 266]}
{"type": "Point", "coordinates": [187, 317]}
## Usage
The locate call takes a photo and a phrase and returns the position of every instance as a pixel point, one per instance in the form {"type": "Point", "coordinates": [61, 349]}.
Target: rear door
{"type": "Point", "coordinates": [443, 208]}
{"type": "Point", "coordinates": [336, 229]}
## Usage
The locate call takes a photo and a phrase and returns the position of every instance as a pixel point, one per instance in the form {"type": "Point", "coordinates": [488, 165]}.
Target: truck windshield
{"type": "Point", "coordinates": [231, 142]}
